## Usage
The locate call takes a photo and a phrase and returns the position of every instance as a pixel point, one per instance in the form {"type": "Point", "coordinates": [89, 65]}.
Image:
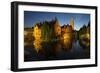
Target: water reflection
{"type": "Point", "coordinates": [60, 49]}
{"type": "Point", "coordinates": [84, 43]}
{"type": "Point", "coordinates": [67, 44]}
{"type": "Point", "coordinates": [37, 45]}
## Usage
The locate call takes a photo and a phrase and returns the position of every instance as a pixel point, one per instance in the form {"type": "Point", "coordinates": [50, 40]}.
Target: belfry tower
{"type": "Point", "coordinates": [72, 23]}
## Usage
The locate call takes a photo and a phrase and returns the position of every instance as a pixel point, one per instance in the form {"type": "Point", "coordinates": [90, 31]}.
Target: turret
{"type": "Point", "coordinates": [72, 23]}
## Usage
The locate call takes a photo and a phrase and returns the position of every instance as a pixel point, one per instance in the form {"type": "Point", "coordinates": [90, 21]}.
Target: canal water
{"type": "Point", "coordinates": [56, 50]}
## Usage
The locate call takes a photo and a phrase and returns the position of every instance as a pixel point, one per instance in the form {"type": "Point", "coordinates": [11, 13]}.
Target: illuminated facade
{"type": "Point", "coordinates": [66, 31]}
{"type": "Point", "coordinates": [57, 28]}
{"type": "Point", "coordinates": [59, 31]}
{"type": "Point", "coordinates": [37, 31]}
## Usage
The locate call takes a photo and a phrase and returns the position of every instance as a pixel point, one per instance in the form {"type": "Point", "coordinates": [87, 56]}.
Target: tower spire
{"type": "Point", "coordinates": [72, 23]}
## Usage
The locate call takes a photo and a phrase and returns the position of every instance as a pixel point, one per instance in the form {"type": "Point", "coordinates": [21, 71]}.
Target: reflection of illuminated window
{"type": "Point", "coordinates": [37, 45]}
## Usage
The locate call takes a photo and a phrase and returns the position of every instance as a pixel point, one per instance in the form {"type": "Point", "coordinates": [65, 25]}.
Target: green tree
{"type": "Point", "coordinates": [47, 31]}
{"type": "Point", "coordinates": [44, 29]}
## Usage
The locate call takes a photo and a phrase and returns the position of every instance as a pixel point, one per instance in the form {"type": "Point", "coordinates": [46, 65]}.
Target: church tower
{"type": "Point", "coordinates": [72, 23]}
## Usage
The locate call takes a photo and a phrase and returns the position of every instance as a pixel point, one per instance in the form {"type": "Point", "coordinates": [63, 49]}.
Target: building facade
{"type": "Point", "coordinates": [57, 28]}
{"type": "Point", "coordinates": [37, 32]}
{"type": "Point", "coordinates": [63, 32]}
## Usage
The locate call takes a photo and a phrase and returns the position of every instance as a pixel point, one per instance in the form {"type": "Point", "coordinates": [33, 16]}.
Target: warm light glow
{"type": "Point", "coordinates": [37, 45]}
{"type": "Point", "coordinates": [37, 33]}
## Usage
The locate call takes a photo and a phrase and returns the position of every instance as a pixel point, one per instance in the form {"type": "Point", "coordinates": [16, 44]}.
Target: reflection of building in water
{"type": "Point", "coordinates": [67, 44]}
{"type": "Point", "coordinates": [37, 45]}
{"type": "Point", "coordinates": [57, 48]}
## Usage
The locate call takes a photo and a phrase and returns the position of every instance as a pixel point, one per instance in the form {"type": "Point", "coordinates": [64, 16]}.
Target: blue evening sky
{"type": "Point", "coordinates": [32, 17]}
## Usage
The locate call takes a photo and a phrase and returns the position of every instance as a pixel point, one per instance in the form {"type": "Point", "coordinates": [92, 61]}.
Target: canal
{"type": "Point", "coordinates": [56, 50]}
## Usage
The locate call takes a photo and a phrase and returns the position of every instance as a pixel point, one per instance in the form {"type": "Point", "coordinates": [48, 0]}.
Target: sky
{"type": "Point", "coordinates": [33, 17]}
